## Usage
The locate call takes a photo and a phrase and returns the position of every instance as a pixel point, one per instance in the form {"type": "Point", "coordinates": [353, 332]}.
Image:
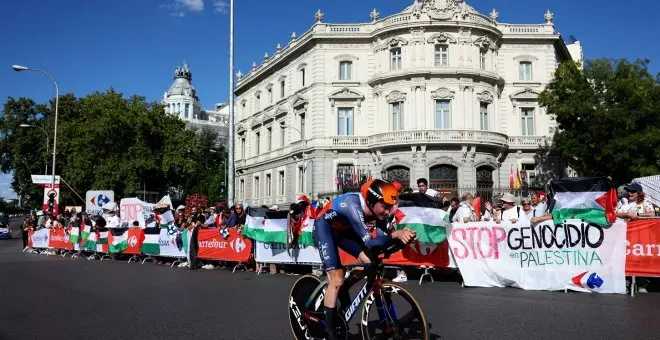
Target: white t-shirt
{"type": "Point", "coordinates": [112, 221]}
{"type": "Point", "coordinates": [464, 210]}
{"type": "Point", "coordinates": [508, 215]}
{"type": "Point", "coordinates": [539, 210]}
{"type": "Point", "coordinates": [429, 192]}
{"type": "Point", "coordinates": [639, 208]}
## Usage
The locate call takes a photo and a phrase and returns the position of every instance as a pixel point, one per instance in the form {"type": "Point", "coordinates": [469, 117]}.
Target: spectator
{"type": "Point", "coordinates": [237, 218]}
{"type": "Point", "coordinates": [112, 220]}
{"type": "Point", "coordinates": [136, 225]}
{"type": "Point", "coordinates": [465, 213]}
{"type": "Point", "coordinates": [638, 205]}
{"type": "Point", "coordinates": [489, 212]}
{"type": "Point", "coordinates": [527, 208]}
{"type": "Point", "coordinates": [453, 207]}
{"type": "Point", "coordinates": [423, 187]}
{"type": "Point", "coordinates": [510, 212]}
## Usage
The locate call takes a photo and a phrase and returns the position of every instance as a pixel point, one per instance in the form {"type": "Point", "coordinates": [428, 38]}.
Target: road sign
{"type": "Point", "coordinates": [45, 179]}
{"type": "Point", "coordinates": [96, 199]}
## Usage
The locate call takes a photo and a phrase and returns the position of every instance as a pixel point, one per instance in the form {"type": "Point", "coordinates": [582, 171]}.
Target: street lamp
{"type": "Point", "coordinates": [231, 194]}
{"type": "Point", "coordinates": [19, 68]}
{"type": "Point", "coordinates": [45, 133]}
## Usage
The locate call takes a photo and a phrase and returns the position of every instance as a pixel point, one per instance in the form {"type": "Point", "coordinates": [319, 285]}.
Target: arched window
{"type": "Point", "coordinates": [485, 182]}
{"type": "Point", "coordinates": [444, 179]}
{"type": "Point", "coordinates": [400, 174]}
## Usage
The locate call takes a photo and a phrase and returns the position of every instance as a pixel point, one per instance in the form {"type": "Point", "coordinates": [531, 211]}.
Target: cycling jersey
{"type": "Point", "coordinates": [341, 225]}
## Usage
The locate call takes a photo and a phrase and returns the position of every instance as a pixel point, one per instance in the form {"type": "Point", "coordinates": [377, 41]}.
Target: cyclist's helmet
{"type": "Point", "coordinates": [377, 190]}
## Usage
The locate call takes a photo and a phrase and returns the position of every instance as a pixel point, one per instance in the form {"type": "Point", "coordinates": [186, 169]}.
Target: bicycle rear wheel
{"type": "Point", "coordinates": [397, 315]}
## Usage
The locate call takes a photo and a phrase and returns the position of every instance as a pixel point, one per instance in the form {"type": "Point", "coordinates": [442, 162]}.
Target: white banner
{"type": "Point", "coordinates": [276, 253]}
{"type": "Point", "coordinates": [169, 246]}
{"type": "Point", "coordinates": [40, 238]}
{"type": "Point", "coordinates": [573, 255]}
{"type": "Point", "coordinates": [133, 209]}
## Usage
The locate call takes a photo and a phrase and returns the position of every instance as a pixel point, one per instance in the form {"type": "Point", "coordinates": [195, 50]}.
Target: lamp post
{"type": "Point", "coordinates": [283, 125]}
{"type": "Point", "coordinates": [232, 172]}
{"type": "Point", "coordinates": [45, 133]}
{"type": "Point", "coordinates": [19, 68]}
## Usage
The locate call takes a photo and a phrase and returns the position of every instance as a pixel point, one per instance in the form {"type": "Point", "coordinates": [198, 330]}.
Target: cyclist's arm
{"type": "Point", "coordinates": [355, 218]}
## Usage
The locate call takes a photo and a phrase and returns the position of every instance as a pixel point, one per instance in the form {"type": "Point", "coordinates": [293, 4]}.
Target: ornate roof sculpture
{"type": "Point", "coordinates": [182, 84]}
{"type": "Point", "coordinates": [441, 9]}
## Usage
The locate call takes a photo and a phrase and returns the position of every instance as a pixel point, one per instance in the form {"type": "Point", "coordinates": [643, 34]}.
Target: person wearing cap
{"type": "Point", "coordinates": [510, 212]}
{"type": "Point", "coordinates": [638, 205]}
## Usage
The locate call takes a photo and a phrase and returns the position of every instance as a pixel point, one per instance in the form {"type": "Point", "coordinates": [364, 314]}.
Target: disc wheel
{"type": "Point", "coordinates": [393, 314]}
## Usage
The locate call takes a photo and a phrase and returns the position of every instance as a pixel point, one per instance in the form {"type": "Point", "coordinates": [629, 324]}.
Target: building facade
{"type": "Point", "coordinates": [437, 91]}
{"type": "Point", "coordinates": [181, 100]}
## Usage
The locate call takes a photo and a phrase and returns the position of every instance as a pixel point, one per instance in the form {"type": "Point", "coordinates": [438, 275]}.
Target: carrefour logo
{"type": "Point", "coordinates": [237, 245]}
{"type": "Point", "coordinates": [132, 241]}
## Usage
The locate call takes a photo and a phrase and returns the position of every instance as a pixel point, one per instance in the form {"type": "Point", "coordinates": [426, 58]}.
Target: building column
{"type": "Point", "coordinates": [411, 124]}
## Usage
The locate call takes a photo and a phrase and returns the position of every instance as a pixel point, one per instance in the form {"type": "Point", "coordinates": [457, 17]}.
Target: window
{"type": "Point", "coordinates": [257, 102]}
{"type": "Point", "coordinates": [257, 142]}
{"type": "Point", "coordinates": [242, 146]}
{"type": "Point", "coordinates": [270, 95]}
{"type": "Point", "coordinates": [269, 138]}
{"type": "Point", "coordinates": [302, 126]}
{"type": "Point", "coordinates": [302, 77]}
{"type": "Point", "coordinates": [441, 55]}
{"type": "Point", "coordinates": [526, 70]}
{"type": "Point", "coordinates": [280, 180]}
{"type": "Point", "coordinates": [527, 121]}
{"type": "Point", "coordinates": [442, 114]}
{"type": "Point", "coordinates": [397, 116]}
{"type": "Point", "coordinates": [268, 185]}
{"type": "Point", "coordinates": [282, 87]}
{"type": "Point", "coordinates": [282, 133]}
{"type": "Point", "coordinates": [178, 108]}
{"type": "Point", "coordinates": [301, 179]}
{"type": "Point", "coordinates": [483, 116]}
{"type": "Point", "coordinates": [482, 60]}
{"type": "Point", "coordinates": [187, 112]}
{"type": "Point", "coordinates": [345, 70]}
{"type": "Point", "coordinates": [395, 59]}
{"type": "Point", "coordinates": [345, 123]}
{"type": "Point", "coordinates": [241, 189]}
{"type": "Point", "coordinates": [255, 194]}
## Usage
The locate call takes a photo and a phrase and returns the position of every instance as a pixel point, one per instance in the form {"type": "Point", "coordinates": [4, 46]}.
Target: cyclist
{"type": "Point", "coordinates": [343, 224]}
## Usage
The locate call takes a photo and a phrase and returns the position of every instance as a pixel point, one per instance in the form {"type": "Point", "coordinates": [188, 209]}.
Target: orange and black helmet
{"type": "Point", "coordinates": [377, 190]}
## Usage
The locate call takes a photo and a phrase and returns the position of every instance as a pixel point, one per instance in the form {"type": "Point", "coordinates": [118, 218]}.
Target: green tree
{"type": "Point", "coordinates": [105, 141]}
{"type": "Point", "coordinates": [608, 117]}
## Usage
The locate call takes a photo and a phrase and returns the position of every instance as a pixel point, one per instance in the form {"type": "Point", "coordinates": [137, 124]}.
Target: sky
{"type": "Point", "coordinates": [134, 46]}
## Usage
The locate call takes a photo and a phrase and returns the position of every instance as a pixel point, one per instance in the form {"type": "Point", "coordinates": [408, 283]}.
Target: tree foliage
{"type": "Point", "coordinates": [608, 117]}
{"type": "Point", "coordinates": [105, 141]}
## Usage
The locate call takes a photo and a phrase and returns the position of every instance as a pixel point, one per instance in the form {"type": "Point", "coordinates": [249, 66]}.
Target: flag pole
{"type": "Point", "coordinates": [231, 195]}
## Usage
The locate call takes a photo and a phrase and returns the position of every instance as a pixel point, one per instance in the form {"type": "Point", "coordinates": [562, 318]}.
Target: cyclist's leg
{"type": "Point", "coordinates": [356, 248]}
{"type": "Point", "coordinates": [324, 238]}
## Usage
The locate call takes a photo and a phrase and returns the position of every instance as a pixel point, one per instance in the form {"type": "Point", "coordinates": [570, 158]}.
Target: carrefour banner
{"type": "Point", "coordinates": [276, 253]}
{"type": "Point", "coordinates": [40, 238]}
{"type": "Point", "coordinates": [572, 255]}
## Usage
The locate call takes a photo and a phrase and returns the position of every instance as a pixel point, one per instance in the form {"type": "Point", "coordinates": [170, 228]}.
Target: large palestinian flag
{"type": "Point", "coordinates": [591, 199]}
{"type": "Point", "coordinates": [419, 212]}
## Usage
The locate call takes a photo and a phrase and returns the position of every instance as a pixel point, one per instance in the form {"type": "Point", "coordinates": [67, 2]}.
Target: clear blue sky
{"type": "Point", "coordinates": [135, 45]}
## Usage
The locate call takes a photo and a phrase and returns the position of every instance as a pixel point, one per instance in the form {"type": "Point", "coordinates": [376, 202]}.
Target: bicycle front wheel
{"type": "Point", "coordinates": [393, 313]}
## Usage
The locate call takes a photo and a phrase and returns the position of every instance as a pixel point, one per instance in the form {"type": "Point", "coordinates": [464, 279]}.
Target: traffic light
{"type": "Point", "coordinates": [51, 203]}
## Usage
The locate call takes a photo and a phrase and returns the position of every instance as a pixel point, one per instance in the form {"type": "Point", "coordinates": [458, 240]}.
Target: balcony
{"type": "Point", "coordinates": [527, 142]}
{"type": "Point", "coordinates": [449, 137]}
{"type": "Point", "coordinates": [523, 29]}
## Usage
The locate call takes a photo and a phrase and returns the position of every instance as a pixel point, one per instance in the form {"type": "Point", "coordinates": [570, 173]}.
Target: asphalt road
{"type": "Point", "coordinates": [50, 297]}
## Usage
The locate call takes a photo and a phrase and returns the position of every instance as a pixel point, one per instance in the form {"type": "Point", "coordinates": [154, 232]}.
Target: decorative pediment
{"type": "Point", "coordinates": [395, 96]}
{"type": "Point", "coordinates": [299, 102]}
{"type": "Point", "coordinates": [279, 111]}
{"type": "Point", "coordinates": [485, 43]}
{"type": "Point", "coordinates": [524, 95]}
{"type": "Point", "coordinates": [442, 93]}
{"type": "Point", "coordinates": [441, 38]}
{"type": "Point", "coordinates": [485, 97]}
{"type": "Point", "coordinates": [393, 42]}
{"type": "Point", "coordinates": [346, 94]}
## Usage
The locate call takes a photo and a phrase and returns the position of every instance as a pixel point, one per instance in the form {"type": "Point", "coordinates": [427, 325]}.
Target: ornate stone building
{"type": "Point", "coordinates": [181, 100]}
{"type": "Point", "coordinates": [437, 91]}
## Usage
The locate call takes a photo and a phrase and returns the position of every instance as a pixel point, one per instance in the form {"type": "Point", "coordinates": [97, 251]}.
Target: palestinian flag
{"type": "Point", "coordinates": [118, 240]}
{"type": "Point", "coordinates": [90, 241]}
{"type": "Point", "coordinates": [419, 212]}
{"type": "Point", "coordinates": [86, 231]}
{"type": "Point", "coordinates": [150, 243]}
{"type": "Point", "coordinates": [74, 235]}
{"type": "Point", "coordinates": [267, 226]}
{"type": "Point", "coordinates": [102, 243]}
{"type": "Point", "coordinates": [591, 199]}
{"type": "Point", "coordinates": [165, 219]}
